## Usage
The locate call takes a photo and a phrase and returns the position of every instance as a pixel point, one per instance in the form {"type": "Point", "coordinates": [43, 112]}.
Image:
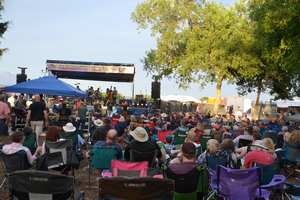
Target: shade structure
{"type": "Point", "coordinates": [48, 85]}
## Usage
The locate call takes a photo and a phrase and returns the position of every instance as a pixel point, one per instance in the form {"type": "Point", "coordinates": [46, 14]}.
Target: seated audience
{"type": "Point", "coordinates": [16, 145]}
{"type": "Point", "coordinates": [187, 159]}
{"type": "Point", "coordinates": [141, 143]}
{"type": "Point", "coordinates": [110, 141]}
{"type": "Point", "coordinates": [29, 140]}
{"type": "Point", "coordinates": [261, 154]}
{"type": "Point", "coordinates": [213, 146]}
{"type": "Point", "coordinates": [101, 131]}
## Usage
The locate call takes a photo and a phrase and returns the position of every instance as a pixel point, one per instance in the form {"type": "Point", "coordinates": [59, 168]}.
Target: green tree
{"type": "Point", "coordinates": [278, 35]}
{"type": "Point", "coordinates": [199, 42]}
{"type": "Point", "coordinates": [3, 26]}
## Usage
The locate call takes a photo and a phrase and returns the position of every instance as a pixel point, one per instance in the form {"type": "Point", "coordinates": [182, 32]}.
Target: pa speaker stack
{"type": "Point", "coordinates": [21, 78]}
{"type": "Point", "coordinates": [155, 90]}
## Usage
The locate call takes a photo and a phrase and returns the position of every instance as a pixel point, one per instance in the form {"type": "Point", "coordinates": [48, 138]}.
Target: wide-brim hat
{"type": "Point", "coordinates": [164, 115]}
{"type": "Point", "coordinates": [121, 119]}
{"type": "Point", "coordinates": [69, 127]}
{"type": "Point", "coordinates": [139, 134]}
{"type": "Point", "coordinates": [98, 122]}
{"type": "Point", "coordinates": [260, 144]}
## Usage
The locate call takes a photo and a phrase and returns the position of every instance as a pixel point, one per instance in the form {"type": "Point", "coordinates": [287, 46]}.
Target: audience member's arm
{"type": "Point", "coordinates": [46, 118]}
{"type": "Point", "coordinates": [28, 117]}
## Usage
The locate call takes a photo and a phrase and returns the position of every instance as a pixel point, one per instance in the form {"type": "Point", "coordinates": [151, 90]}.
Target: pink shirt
{"type": "Point", "coordinates": [15, 147]}
{"type": "Point", "coordinates": [4, 110]}
{"type": "Point", "coordinates": [258, 157]}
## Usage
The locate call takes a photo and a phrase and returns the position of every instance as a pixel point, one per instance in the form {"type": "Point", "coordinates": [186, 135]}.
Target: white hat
{"type": "Point", "coordinates": [260, 144]}
{"type": "Point", "coordinates": [98, 122]}
{"type": "Point", "coordinates": [139, 134]}
{"type": "Point", "coordinates": [69, 127]}
{"type": "Point", "coordinates": [121, 119]}
{"type": "Point", "coordinates": [164, 115]}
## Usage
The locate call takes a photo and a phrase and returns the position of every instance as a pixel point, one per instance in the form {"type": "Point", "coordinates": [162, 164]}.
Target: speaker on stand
{"type": "Point", "coordinates": [23, 76]}
{"type": "Point", "coordinates": [155, 93]}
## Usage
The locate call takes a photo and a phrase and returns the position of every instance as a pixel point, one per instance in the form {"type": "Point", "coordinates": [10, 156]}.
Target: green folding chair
{"type": "Point", "coordinates": [101, 158]}
{"type": "Point", "coordinates": [203, 141]}
{"type": "Point", "coordinates": [179, 136]}
{"type": "Point", "coordinates": [192, 185]}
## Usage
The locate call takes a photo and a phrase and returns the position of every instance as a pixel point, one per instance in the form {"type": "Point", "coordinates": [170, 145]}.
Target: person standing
{"type": "Point", "coordinates": [37, 115]}
{"type": "Point", "coordinates": [4, 116]}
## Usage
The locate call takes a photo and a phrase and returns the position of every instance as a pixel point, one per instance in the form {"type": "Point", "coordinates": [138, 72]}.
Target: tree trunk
{"type": "Point", "coordinates": [255, 111]}
{"type": "Point", "coordinates": [218, 96]}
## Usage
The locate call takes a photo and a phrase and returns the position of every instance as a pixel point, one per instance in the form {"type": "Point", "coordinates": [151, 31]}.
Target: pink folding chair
{"type": "Point", "coordinates": [163, 134]}
{"type": "Point", "coordinates": [129, 169]}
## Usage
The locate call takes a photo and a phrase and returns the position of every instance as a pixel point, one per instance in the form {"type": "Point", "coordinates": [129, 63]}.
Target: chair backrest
{"type": "Point", "coordinates": [244, 142]}
{"type": "Point", "coordinates": [193, 181]}
{"type": "Point", "coordinates": [129, 169]}
{"type": "Point", "coordinates": [267, 172]}
{"type": "Point", "coordinates": [189, 184]}
{"type": "Point", "coordinates": [292, 153]}
{"type": "Point", "coordinates": [150, 157]}
{"type": "Point", "coordinates": [203, 141]}
{"type": "Point", "coordinates": [15, 162]}
{"type": "Point", "coordinates": [102, 157]}
{"type": "Point", "coordinates": [163, 134]}
{"type": "Point", "coordinates": [179, 136]}
{"type": "Point", "coordinates": [64, 147]}
{"type": "Point", "coordinates": [213, 161]}
{"type": "Point", "coordinates": [136, 188]}
{"type": "Point", "coordinates": [71, 136]}
{"type": "Point", "coordinates": [235, 184]}
{"type": "Point", "coordinates": [36, 185]}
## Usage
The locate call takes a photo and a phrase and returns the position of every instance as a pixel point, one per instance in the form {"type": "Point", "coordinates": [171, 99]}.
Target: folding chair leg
{"type": "Point", "coordinates": [3, 182]}
{"type": "Point", "coordinates": [211, 195]}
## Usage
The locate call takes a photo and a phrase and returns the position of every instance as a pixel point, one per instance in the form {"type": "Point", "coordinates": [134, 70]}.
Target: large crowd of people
{"type": "Point", "coordinates": [176, 142]}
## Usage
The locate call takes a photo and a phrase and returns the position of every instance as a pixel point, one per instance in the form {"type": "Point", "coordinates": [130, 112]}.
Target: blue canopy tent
{"type": "Point", "coordinates": [48, 85]}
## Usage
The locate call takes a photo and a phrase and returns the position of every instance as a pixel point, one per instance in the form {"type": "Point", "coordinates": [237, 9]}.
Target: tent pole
{"type": "Point", "coordinates": [133, 90]}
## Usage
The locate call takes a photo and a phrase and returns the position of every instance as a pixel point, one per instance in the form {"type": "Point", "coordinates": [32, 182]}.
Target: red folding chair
{"type": "Point", "coordinates": [129, 169]}
{"type": "Point", "coordinates": [163, 134]}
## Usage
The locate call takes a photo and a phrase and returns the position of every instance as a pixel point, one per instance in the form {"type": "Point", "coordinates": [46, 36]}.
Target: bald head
{"type": "Point", "coordinates": [111, 135]}
{"type": "Point", "coordinates": [37, 98]}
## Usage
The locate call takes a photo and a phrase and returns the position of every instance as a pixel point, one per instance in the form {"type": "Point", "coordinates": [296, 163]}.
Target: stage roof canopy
{"type": "Point", "coordinates": [97, 71]}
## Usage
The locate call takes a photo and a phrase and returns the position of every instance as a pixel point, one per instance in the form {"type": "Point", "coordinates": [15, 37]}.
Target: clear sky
{"type": "Point", "coordinates": [83, 30]}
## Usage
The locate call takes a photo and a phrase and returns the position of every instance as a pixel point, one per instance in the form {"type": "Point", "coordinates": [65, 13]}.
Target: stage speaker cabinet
{"type": "Point", "coordinates": [155, 90]}
{"type": "Point", "coordinates": [21, 78]}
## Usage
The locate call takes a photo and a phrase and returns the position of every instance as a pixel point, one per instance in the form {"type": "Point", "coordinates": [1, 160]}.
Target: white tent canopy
{"type": "Point", "coordinates": [180, 98]}
{"type": "Point", "coordinates": [288, 103]}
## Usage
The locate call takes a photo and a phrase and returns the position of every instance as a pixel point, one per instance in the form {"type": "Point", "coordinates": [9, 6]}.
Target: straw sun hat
{"type": "Point", "coordinates": [98, 122]}
{"type": "Point", "coordinates": [69, 127]}
{"type": "Point", "coordinates": [140, 134]}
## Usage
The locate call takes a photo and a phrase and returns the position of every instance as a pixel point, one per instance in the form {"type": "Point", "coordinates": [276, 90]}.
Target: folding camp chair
{"type": "Point", "coordinates": [37, 185]}
{"type": "Point", "coordinates": [136, 188]}
{"type": "Point", "coordinates": [203, 141]}
{"type": "Point", "coordinates": [71, 136]}
{"type": "Point", "coordinates": [213, 161]}
{"type": "Point", "coordinates": [14, 162]}
{"type": "Point", "coordinates": [101, 158]}
{"type": "Point", "coordinates": [244, 142]}
{"type": "Point", "coordinates": [136, 156]}
{"type": "Point", "coordinates": [237, 184]}
{"type": "Point", "coordinates": [65, 149]}
{"type": "Point", "coordinates": [179, 136]}
{"type": "Point", "coordinates": [129, 169]}
{"type": "Point", "coordinates": [192, 185]}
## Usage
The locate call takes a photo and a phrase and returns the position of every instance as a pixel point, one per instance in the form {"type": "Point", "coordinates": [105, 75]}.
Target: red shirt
{"type": "Point", "coordinates": [259, 157]}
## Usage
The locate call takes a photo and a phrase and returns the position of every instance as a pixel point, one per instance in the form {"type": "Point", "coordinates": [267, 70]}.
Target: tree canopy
{"type": "Point", "coordinates": [278, 36]}
{"type": "Point", "coordinates": [197, 41]}
{"type": "Point", "coordinates": [3, 26]}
